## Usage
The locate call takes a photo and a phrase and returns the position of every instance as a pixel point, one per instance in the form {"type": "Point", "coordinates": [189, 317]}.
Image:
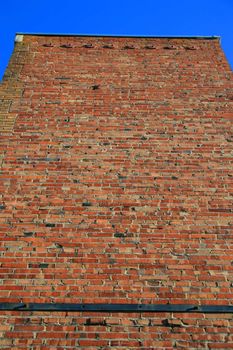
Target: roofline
{"type": "Point", "coordinates": [213, 37]}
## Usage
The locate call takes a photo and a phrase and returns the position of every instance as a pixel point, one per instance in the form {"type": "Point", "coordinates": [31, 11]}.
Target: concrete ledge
{"type": "Point", "coordinates": [19, 38]}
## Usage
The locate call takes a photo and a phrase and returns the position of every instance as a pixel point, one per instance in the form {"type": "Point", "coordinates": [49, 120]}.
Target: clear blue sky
{"type": "Point", "coordinates": [129, 17]}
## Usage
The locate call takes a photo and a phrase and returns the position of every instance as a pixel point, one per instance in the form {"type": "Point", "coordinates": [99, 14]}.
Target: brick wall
{"type": "Point", "coordinates": [115, 331]}
{"type": "Point", "coordinates": [116, 184]}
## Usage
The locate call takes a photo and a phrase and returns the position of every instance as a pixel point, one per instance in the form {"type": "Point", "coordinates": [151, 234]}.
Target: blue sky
{"type": "Point", "coordinates": [128, 17]}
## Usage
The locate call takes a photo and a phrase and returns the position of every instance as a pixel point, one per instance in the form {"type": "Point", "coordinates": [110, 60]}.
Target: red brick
{"type": "Point", "coordinates": [116, 183]}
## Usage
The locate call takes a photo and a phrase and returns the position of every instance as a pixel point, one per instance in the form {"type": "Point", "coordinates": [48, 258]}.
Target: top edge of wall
{"type": "Point", "coordinates": [19, 36]}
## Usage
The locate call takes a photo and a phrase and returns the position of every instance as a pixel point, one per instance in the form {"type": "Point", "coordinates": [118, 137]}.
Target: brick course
{"type": "Point", "coordinates": [115, 331]}
{"type": "Point", "coordinates": [116, 184]}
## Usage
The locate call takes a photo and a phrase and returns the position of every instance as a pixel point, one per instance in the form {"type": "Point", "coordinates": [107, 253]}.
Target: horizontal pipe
{"type": "Point", "coordinates": [53, 307]}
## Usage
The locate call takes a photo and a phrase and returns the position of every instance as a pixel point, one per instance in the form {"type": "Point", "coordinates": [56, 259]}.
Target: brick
{"type": "Point", "coordinates": [116, 186]}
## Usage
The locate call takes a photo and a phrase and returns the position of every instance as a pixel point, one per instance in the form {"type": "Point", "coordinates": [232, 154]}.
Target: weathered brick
{"type": "Point", "coordinates": [116, 186]}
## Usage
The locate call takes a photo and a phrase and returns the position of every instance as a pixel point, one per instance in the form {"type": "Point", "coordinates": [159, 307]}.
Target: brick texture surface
{"type": "Point", "coordinates": [116, 186]}
{"type": "Point", "coordinates": [115, 331]}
